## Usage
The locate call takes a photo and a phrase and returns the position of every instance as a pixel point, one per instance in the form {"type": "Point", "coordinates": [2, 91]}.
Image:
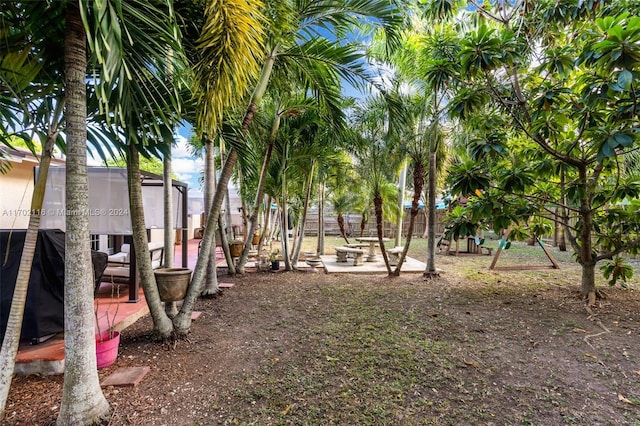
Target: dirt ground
{"type": "Point", "coordinates": [471, 347]}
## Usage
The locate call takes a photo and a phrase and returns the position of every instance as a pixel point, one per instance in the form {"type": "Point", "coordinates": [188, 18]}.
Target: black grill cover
{"type": "Point", "coordinates": [44, 313]}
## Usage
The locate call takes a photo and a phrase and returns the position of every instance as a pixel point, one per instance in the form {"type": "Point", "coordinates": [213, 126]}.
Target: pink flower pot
{"type": "Point", "coordinates": [107, 349]}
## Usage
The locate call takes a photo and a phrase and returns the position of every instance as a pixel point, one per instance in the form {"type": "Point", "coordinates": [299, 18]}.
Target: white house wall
{"type": "Point", "coordinates": [16, 188]}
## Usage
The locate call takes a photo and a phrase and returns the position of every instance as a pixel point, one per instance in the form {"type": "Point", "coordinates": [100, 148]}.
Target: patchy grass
{"type": "Point", "coordinates": [470, 347]}
{"type": "Point", "coordinates": [367, 362]}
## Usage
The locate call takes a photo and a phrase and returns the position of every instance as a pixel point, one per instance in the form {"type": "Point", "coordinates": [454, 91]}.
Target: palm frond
{"type": "Point", "coordinates": [231, 48]}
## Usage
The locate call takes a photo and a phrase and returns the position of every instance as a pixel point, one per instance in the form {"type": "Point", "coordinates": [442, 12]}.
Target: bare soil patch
{"type": "Point", "coordinates": [471, 347]}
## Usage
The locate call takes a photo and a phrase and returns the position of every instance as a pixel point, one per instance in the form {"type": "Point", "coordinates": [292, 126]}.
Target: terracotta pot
{"type": "Point", "coordinates": [107, 348]}
{"type": "Point", "coordinates": [172, 283]}
{"type": "Point", "coordinates": [235, 248]}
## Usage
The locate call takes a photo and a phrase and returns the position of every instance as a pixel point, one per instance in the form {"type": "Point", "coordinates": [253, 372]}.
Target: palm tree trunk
{"type": "Point", "coordinates": [425, 212]}
{"type": "Point", "coordinates": [431, 223]}
{"type": "Point", "coordinates": [401, 187]}
{"type": "Point", "coordinates": [363, 224]}
{"type": "Point", "coordinates": [320, 247]}
{"type": "Point", "coordinates": [377, 203]}
{"type": "Point", "coordinates": [418, 184]}
{"type": "Point", "coordinates": [343, 230]}
{"type": "Point", "coordinates": [305, 210]}
{"type": "Point", "coordinates": [182, 321]}
{"type": "Point", "coordinates": [231, 267]}
{"type": "Point", "coordinates": [266, 231]}
{"type": "Point", "coordinates": [11, 339]}
{"type": "Point", "coordinates": [82, 399]}
{"type": "Point", "coordinates": [259, 192]}
{"type": "Point", "coordinates": [276, 223]}
{"type": "Point", "coordinates": [211, 281]}
{"type": "Point", "coordinates": [162, 326]}
{"type": "Point", "coordinates": [244, 215]}
{"type": "Point", "coordinates": [227, 219]}
{"type": "Point", "coordinates": [285, 225]}
{"type": "Point", "coordinates": [265, 235]}
{"type": "Point", "coordinates": [169, 232]}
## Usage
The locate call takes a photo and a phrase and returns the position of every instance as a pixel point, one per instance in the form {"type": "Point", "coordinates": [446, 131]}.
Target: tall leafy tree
{"type": "Point", "coordinates": [31, 104]}
{"type": "Point", "coordinates": [297, 42]}
{"type": "Point", "coordinates": [82, 399]}
{"type": "Point", "coordinates": [278, 111]}
{"type": "Point", "coordinates": [377, 159]}
{"type": "Point", "coordinates": [227, 46]}
{"type": "Point", "coordinates": [437, 76]}
{"type": "Point", "coordinates": [564, 75]}
{"type": "Point", "coordinates": [336, 177]}
{"type": "Point", "coordinates": [117, 86]}
{"type": "Point", "coordinates": [138, 99]}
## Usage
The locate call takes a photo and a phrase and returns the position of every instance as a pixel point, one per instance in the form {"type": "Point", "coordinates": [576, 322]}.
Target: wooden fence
{"type": "Point", "coordinates": [353, 224]}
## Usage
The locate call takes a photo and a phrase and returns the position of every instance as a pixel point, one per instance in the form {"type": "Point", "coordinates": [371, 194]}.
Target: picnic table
{"type": "Point", "coordinates": [371, 257]}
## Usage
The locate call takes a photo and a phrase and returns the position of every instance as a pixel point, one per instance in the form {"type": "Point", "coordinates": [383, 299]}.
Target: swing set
{"type": "Point", "coordinates": [504, 244]}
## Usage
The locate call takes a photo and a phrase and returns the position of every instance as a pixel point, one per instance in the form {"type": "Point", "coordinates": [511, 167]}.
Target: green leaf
{"type": "Point", "coordinates": [625, 78]}
{"type": "Point", "coordinates": [623, 139]}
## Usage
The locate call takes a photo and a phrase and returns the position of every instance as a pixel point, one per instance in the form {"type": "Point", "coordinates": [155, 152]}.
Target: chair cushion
{"type": "Point", "coordinates": [119, 257]}
{"type": "Point", "coordinates": [122, 256]}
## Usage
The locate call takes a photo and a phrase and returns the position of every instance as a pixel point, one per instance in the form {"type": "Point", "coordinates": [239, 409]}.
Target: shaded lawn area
{"type": "Point", "coordinates": [472, 347]}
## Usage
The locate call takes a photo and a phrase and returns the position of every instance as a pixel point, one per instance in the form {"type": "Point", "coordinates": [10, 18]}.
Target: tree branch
{"type": "Point", "coordinates": [618, 250]}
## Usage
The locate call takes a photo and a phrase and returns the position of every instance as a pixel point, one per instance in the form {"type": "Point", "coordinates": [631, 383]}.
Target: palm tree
{"type": "Point", "coordinates": [11, 339]}
{"type": "Point", "coordinates": [416, 149]}
{"type": "Point", "coordinates": [161, 119]}
{"type": "Point", "coordinates": [312, 137]}
{"type": "Point", "coordinates": [130, 101]}
{"type": "Point", "coordinates": [82, 399]}
{"type": "Point", "coordinates": [271, 138]}
{"type": "Point", "coordinates": [378, 161]}
{"type": "Point", "coordinates": [295, 39]}
{"type": "Point", "coordinates": [24, 78]}
{"type": "Point", "coordinates": [342, 200]}
{"type": "Point", "coordinates": [305, 124]}
{"type": "Point", "coordinates": [429, 61]}
{"type": "Point", "coordinates": [122, 98]}
{"type": "Point", "coordinates": [336, 173]}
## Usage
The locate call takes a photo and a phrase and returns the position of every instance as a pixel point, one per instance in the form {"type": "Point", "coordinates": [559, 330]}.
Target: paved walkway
{"type": "Point", "coordinates": [332, 267]}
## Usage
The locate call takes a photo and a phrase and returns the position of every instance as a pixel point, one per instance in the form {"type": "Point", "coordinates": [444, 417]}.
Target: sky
{"type": "Point", "coordinates": [186, 167]}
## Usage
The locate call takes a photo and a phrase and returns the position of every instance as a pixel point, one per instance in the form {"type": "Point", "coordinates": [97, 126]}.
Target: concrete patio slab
{"type": "Point", "coordinates": [332, 267]}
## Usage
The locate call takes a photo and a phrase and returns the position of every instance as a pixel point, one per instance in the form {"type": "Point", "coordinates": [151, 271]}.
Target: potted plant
{"type": "Point", "coordinates": [236, 247]}
{"type": "Point", "coordinates": [107, 339]}
{"type": "Point", "coordinates": [172, 283]}
{"type": "Point", "coordinates": [275, 260]}
{"type": "Point", "coordinates": [255, 239]}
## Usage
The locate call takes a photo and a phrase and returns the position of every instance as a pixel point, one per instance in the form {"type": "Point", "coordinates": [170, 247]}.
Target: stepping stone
{"type": "Point", "coordinates": [126, 376]}
{"type": "Point", "coordinates": [195, 315]}
{"type": "Point", "coordinates": [225, 285]}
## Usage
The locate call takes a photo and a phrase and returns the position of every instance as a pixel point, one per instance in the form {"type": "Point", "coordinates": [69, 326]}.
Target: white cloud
{"type": "Point", "coordinates": [186, 165]}
{"type": "Point", "coordinates": [181, 149]}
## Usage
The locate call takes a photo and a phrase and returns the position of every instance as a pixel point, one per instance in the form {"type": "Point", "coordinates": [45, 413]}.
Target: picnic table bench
{"type": "Point", "coordinates": [357, 245]}
{"type": "Point", "coordinates": [394, 255]}
{"type": "Point", "coordinates": [358, 254]}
